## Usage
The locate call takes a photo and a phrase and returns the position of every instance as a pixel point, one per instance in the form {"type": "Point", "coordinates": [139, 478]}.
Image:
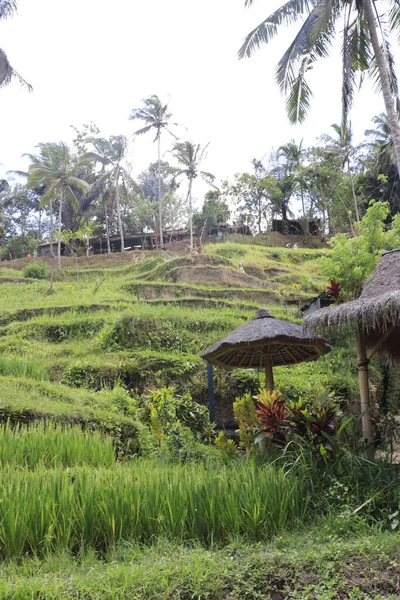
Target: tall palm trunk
{"type": "Point", "coordinates": [353, 191]}
{"type": "Point", "coordinates": [107, 230]}
{"type": "Point", "coordinates": [51, 229]}
{"type": "Point", "coordinates": [190, 214]}
{"type": "Point", "coordinates": [159, 192]}
{"type": "Point", "coordinates": [116, 198]}
{"type": "Point", "coordinates": [59, 227]}
{"type": "Point", "coordinates": [384, 78]}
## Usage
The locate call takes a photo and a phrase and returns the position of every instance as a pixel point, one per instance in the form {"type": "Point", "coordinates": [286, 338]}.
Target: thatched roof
{"type": "Point", "coordinates": [248, 346]}
{"type": "Point", "coordinates": [375, 312]}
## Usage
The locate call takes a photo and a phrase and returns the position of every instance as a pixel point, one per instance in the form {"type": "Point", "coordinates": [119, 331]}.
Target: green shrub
{"type": "Point", "coordinates": [36, 270]}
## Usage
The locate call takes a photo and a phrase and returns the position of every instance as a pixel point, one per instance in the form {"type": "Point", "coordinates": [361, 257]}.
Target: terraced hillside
{"type": "Point", "coordinates": [136, 321]}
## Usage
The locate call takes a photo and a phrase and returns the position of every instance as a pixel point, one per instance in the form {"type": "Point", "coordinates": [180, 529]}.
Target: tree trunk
{"type": "Point", "coordinates": [353, 191]}
{"type": "Point", "coordinates": [384, 78]}
{"type": "Point", "coordinates": [190, 214]}
{"type": "Point", "coordinates": [159, 193]}
{"type": "Point", "coordinates": [367, 433]}
{"type": "Point", "coordinates": [51, 229]}
{"type": "Point", "coordinates": [59, 226]}
{"type": "Point", "coordinates": [107, 230]}
{"type": "Point", "coordinates": [116, 192]}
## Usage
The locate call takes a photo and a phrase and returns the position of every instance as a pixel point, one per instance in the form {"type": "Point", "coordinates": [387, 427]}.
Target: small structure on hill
{"type": "Point", "coordinates": [375, 316]}
{"type": "Point", "coordinates": [297, 227]}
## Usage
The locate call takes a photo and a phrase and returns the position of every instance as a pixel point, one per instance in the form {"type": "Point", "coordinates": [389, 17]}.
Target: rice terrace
{"type": "Point", "coordinates": [199, 300]}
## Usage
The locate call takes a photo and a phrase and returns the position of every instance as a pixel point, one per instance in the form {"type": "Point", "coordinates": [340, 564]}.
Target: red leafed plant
{"type": "Point", "coordinates": [333, 289]}
{"type": "Point", "coordinates": [272, 415]}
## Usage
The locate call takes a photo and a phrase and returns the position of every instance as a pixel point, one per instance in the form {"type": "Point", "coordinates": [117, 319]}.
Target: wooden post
{"type": "Point", "coordinates": [368, 437]}
{"type": "Point", "coordinates": [211, 396]}
{"type": "Point", "coordinates": [269, 376]}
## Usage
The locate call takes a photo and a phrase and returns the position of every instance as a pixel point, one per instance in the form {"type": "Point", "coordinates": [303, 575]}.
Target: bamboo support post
{"type": "Point", "coordinates": [368, 438]}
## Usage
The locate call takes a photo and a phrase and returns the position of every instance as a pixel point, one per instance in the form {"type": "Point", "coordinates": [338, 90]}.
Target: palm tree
{"type": "Point", "coordinates": [56, 170]}
{"type": "Point", "coordinates": [7, 72]}
{"type": "Point", "coordinates": [156, 116]}
{"type": "Point", "coordinates": [292, 155]}
{"type": "Point", "coordinates": [189, 156]}
{"type": "Point", "coordinates": [111, 154]}
{"type": "Point", "coordinates": [365, 47]}
{"type": "Point", "coordinates": [342, 143]}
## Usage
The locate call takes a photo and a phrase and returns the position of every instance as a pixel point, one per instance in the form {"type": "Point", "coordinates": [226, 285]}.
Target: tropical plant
{"type": "Point", "coordinates": [7, 72]}
{"type": "Point", "coordinates": [292, 155]}
{"type": "Point", "coordinates": [56, 170]}
{"type": "Point", "coordinates": [189, 157]}
{"type": "Point", "coordinates": [156, 116]}
{"type": "Point", "coordinates": [111, 154]}
{"type": "Point", "coordinates": [365, 48]}
{"type": "Point", "coordinates": [342, 143]}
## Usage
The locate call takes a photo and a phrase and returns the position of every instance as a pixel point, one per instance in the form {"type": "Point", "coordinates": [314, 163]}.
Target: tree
{"type": "Point", "coordinates": [55, 169]}
{"type": "Point", "coordinates": [189, 157]}
{"type": "Point", "coordinates": [214, 211]}
{"type": "Point", "coordinates": [365, 47]}
{"type": "Point", "coordinates": [7, 72]}
{"type": "Point", "coordinates": [253, 194]}
{"type": "Point", "coordinates": [293, 155]}
{"type": "Point", "coordinates": [111, 153]}
{"type": "Point", "coordinates": [156, 116]}
{"type": "Point", "coordinates": [146, 212]}
{"type": "Point", "coordinates": [352, 260]}
{"type": "Point", "coordinates": [343, 143]}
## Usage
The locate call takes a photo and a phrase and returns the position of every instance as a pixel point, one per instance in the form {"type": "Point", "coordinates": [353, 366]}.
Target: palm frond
{"type": "Point", "coordinates": [49, 194]}
{"type": "Point", "coordinates": [97, 157]}
{"type": "Point", "coordinates": [298, 100]}
{"type": "Point", "coordinates": [287, 14]}
{"type": "Point", "coordinates": [7, 8]}
{"type": "Point", "coordinates": [304, 44]}
{"type": "Point", "coordinates": [144, 130]}
{"type": "Point", "coordinates": [78, 183]}
{"type": "Point", "coordinates": [7, 72]}
{"type": "Point", "coordinates": [71, 197]}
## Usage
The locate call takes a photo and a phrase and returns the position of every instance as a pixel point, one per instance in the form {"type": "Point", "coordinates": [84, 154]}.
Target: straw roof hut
{"type": "Point", "coordinates": [265, 342]}
{"type": "Point", "coordinates": [376, 317]}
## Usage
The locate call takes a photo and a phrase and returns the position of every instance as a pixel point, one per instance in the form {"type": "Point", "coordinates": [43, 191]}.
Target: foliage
{"type": "Point", "coordinates": [244, 410]}
{"type": "Point", "coordinates": [315, 424]}
{"type": "Point", "coordinates": [36, 270]}
{"type": "Point", "coordinates": [353, 259]}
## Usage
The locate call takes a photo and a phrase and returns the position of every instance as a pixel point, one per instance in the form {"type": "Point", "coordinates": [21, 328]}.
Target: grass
{"type": "Point", "coordinates": [302, 566]}
{"type": "Point", "coordinates": [47, 510]}
{"type": "Point", "coordinates": [52, 446]}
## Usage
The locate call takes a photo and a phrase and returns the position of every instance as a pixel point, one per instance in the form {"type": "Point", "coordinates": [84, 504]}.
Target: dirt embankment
{"type": "Point", "coordinates": [203, 275]}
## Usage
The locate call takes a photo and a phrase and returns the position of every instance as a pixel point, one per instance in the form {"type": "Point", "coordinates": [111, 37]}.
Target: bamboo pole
{"type": "Point", "coordinates": [363, 378]}
{"type": "Point", "coordinates": [269, 376]}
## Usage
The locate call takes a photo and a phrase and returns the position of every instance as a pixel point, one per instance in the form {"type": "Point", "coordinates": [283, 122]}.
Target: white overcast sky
{"type": "Point", "coordinates": [95, 60]}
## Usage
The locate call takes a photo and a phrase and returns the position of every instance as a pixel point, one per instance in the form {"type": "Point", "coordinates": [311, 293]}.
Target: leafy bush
{"type": "Point", "coordinates": [314, 424]}
{"type": "Point", "coordinates": [36, 270]}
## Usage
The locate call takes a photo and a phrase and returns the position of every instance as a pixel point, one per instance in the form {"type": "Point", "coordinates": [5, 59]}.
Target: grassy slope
{"type": "Point", "coordinates": [61, 354]}
{"type": "Point", "coordinates": [96, 329]}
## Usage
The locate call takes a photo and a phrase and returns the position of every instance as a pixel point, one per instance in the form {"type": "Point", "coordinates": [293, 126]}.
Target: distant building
{"type": "Point", "coordinates": [296, 227]}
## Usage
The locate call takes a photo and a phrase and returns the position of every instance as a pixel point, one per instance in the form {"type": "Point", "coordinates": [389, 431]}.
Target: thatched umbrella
{"type": "Point", "coordinates": [265, 342]}
{"type": "Point", "coordinates": [376, 318]}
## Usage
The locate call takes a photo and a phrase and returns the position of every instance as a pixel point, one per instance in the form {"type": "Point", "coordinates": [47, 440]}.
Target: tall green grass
{"type": "Point", "coordinates": [43, 511]}
{"type": "Point", "coordinates": [16, 367]}
{"type": "Point", "coordinates": [52, 445]}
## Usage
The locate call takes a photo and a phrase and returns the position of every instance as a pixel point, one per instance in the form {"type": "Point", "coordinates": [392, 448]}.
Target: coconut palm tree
{"type": "Point", "coordinates": [189, 157]}
{"type": "Point", "coordinates": [7, 72]}
{"type": "Point", "coordinates": [157, 118]}
{"type": "Point", "coordinates": [342, 143]}
{"type": "Point", "coordinates": [111, 154]}
{"type": "Point", "coordinates": [366, 47]}
{"type": "Point", "coordinates": [56, 170]}
{"type": "Point", "coordinates": [292, 155]}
